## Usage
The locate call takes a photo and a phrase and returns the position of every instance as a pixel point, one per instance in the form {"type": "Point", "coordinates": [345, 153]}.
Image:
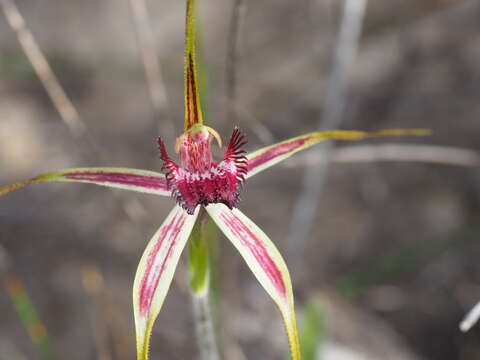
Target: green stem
{"type": "Point", "coordinates": [199, 266]}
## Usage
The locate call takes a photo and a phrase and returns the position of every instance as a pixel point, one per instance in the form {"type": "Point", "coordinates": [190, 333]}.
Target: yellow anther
{"type": "Point", "coordinates": [215, 134]}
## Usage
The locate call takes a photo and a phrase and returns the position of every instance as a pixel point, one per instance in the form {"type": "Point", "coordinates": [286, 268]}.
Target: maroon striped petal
{"type": "Point", "coordinates": [122, 178]}
{"type": "Point", "coordinates": [155, 273]}
{"type": "Point", "coordinates": [265, 261]}
{"type": "Point", "coordinates": [264, 158]}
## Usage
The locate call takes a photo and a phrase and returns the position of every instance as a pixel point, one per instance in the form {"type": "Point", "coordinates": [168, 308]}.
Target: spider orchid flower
{"type": "Point", "coordinates": [199, 181]}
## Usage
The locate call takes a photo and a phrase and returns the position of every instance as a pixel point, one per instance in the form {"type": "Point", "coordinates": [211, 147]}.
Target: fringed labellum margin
{"type": "Point", "coordinates": [200, 180]}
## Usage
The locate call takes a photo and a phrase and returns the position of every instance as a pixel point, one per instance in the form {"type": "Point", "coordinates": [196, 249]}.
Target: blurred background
{"type": "Point", "coordinates": [391, 261]}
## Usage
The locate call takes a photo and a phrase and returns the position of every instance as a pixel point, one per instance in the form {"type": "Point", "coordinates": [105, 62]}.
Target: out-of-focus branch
{"type": "Point", "coordinates": [238, 12]}
{"type": "Point", "coordinates": [29, 317]}
{"type": "Point", "coordinates": [27, 312]}
{"type": "Point", "coordinates": [62, 103]}
{"type": "Point", "coordinates": [471, 318]}
{"type": "Point", "coordinates": [60, 100]}
{"type": "Point", "coordinates": [151, 65]}
{"type": "Point", "coordinates": [234, 110]}
{"type": "Point", "coordinates": [443, 155]}
{"type": "Point", "coordinates": [345, 53]}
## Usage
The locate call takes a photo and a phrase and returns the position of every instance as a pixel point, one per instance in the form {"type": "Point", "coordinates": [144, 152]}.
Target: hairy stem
{"type": "Point", "coordinates": [204, 327]}
{"type": "Point", "coordinates": [200, 267]}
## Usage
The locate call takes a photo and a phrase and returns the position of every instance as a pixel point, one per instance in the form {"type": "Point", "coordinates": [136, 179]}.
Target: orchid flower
{"type": "Point", "coordinates": [201, 184]}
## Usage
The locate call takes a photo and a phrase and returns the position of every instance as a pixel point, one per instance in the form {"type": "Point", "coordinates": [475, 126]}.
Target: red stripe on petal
{"type": "Point", "coordinates": [192, 108]}
{"type": "Point", "coordinates": [257, 248]}
{"type": "Point", "coordinates": [276, 151]}
{"type": "Point", "coordinates": [150, 182]}
{"type": "Point", "coordinates": [157, 262]}
{"type": "Point", "coordinates": [193, 90]}
{"type": "Point", "coordinates": [188, 115]}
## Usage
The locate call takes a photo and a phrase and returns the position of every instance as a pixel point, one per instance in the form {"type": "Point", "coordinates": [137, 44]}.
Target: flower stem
{"type": "Point", "coordinates": [199, 266]}
{"type": "Point", "coordinates": [204, 327]}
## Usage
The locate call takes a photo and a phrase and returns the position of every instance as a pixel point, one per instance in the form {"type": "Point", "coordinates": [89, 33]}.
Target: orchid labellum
{"type": "Point", "coordinates": [199, 181]}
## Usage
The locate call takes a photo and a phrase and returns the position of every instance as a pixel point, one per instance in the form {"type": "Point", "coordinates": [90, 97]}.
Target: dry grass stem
{"type": "Point", "coordinates": [151, 65]}
{"type": "Point", "coordinates": [62, 103]}
{"type": "Point", "coordinates": [345, 53]}
{"type": "Point", "coordinates": [443, 155]}
{"type": "Point", "coordinates": [238, 12]}
{"type": "Point", "coordinates": [471, 318]}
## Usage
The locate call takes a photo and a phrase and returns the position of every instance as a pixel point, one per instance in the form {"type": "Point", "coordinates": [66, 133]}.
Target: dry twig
{"type": "Point", "coordinates": [238, 12]}
{"type": "Point", "coordinates": [443, 155]}
{"type": "Point", "coordinates": [60, 100]}
{"type": "Point", "coordinates": [471, 318]}
{"type": "Point", "coordinates": [306, 204]}
{"type": "Point", "coordinates": [151, 65]}
{"type": "Point", "coordinates": [62, 103]}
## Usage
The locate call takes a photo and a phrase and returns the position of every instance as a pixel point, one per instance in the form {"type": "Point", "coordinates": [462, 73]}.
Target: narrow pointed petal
{"type": "Point", "coordinates": [265, 261]}
{"type": "Point", "coordinates": [122, 178]}
{"type": "Point", "coordinates": [193, 111]}
{"type": "Point", "coordinates": [155, 273]}
{"type": "Point", "coordinates": [264, 158]}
